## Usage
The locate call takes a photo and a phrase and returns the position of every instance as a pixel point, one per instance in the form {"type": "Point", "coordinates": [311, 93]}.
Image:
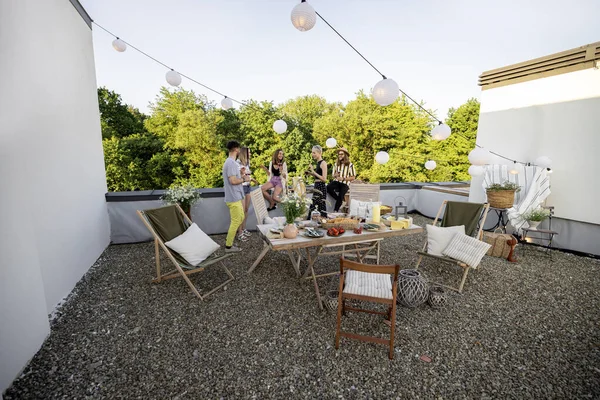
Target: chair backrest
{"type": "Point", "coordinates": [259, 205]}
{"type": "Point", "coordinates": [376, 269]}
{"type": "Point", "coordinates": [471, 215]}
{"type": "Point", "coordinates": [364, 191]}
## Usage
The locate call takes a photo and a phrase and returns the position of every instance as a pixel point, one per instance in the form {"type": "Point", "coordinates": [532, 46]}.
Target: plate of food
{"type": "Point", "coordinates": [313, 233]}
{"type": "Point", "coordinates": [334, 232]}
{"type": "Point", "coordinates": [371, 227]}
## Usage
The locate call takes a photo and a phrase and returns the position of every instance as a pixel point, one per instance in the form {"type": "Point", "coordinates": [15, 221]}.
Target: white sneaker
{"type": "Point", "coordinates": [242, 237]}
{"type": "Point", "coordinates": [232, 249]}
{"type": "Point", "coordinates": [246, 232]}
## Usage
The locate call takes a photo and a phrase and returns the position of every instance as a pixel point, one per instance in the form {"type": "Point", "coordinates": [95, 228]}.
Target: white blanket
{"type": "Point", "coordinates": [535, 187]}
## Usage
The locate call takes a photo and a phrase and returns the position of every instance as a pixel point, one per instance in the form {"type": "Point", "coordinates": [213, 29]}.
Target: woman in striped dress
{"type": "Point", "coordinates": [320, 175]}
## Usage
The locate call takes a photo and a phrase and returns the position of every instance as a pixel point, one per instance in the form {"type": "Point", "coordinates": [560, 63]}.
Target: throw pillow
{"type": "Point", "coordinates": [438, 238]}
{"type": "Point", "coordinates": [467, 249]}
{"type": "Point", "coordinates": [268, 221]}
{"type": "Point", "coordinates": [193, 245]}
{"type": "Point", "coordinates": [361, 209]}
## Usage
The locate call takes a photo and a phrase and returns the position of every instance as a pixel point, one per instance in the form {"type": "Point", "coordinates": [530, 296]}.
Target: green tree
{"type": "Point", "coordinates": [118, 119]}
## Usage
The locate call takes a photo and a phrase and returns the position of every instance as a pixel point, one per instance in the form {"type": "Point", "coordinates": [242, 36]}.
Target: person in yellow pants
{"type": "Point", "coordinates": [233, 178]}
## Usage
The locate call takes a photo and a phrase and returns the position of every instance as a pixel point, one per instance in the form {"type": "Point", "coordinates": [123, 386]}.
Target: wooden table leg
{"type": "Point", "coordinates": [311, 263]}
{"type": "Point", "coordinates": [262, 254]}
{"type": "Point", "coordinates": [295, 261]}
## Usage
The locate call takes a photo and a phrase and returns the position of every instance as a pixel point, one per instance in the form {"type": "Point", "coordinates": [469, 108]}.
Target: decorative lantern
{"type": "Point", "coordinates": [479, 156]}
{"type": "Point", "coordinates": [119, 45]}
{"type": "Point", "coordinates": [543, 162]}
{"type": "Point", "coordinates": [279, 126]}
{"type": "Point", "coordinates": [430, 165]}
{"type": "Point", "coordinates": [173, 78]}
{"type": "Point", "coordinates": [441, 132]}
{"type": "Point", "coordinates": [304, 17]}
{"type": "Point", "coordinates": [382, 157]}
{"type": "Point", "coordinates": [413, 289]}
{"type": "Point", "coordinates": [226, 103]}
{"type": "Point", "coordinates": [476, 170]}
{"type": "Point", "coordinates": [331, 143]}
{"type": "Point", "coordinates": [385, 92]}
{"type": "Point", "coordinates": [514, 170]}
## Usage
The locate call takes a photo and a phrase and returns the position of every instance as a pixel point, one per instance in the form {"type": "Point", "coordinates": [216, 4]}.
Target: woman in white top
{"type": "Point", "coordinates": [277, 174]}
{"type": "Point", "coordinates": [244, 164]}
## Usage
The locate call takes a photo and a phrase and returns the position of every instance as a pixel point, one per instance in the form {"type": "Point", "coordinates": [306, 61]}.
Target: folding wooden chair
{"type": "Point", "coordinates": [166, 223]}
{"type": "Point", "coordinates": [259, 205]}
{"type": "Point", "coordinates": [367, 283]}
{"type": "Point", "coordinates": [472, 216]}
{"type": "Point", "coordinates": [364, 192]}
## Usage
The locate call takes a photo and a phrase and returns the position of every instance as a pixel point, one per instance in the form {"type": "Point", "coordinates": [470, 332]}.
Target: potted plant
{"type": "Point", "coordinates": [502, 195]}
{"type": "Point", "coordinates": [293, 206]}
{"type": "Point", "coordinates": [186, 196]}
{"type": "Point", "coordinates": [535, 217]}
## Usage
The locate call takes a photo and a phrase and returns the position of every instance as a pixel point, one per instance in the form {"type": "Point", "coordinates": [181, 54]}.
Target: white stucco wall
{"type": "Point", "coordinates": [54, 218]}
{"type": "Point", "coordinates": [559, 117]}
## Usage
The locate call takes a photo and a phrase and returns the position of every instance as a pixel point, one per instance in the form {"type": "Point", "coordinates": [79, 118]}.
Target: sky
{"type": "Point", "coordinates": [248, 49]}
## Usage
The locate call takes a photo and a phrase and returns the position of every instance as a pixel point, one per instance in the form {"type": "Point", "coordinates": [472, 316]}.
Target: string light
{"type": "Point", "coordinates": [430, 165]}
{"type": "Point", "coordinates": [441, 132]}
{"type": "Point", "coordinates": [385, 92]}
{"type": "Point", "coordinates": [382, 157]}
{"type": "Point", "coordinates": [479, 156]}
{"type": "Point", "coordinates": [119, 45]}
{"type": "Point", "coordinates": [279, 126]}
{"type": "Point", "coordinates": [303, 16]}
{"type": "Point", "coordinates": [226, 103]}
{"type": "Point", "coordinates": [331, 143]}
{"type": "Point", "coordinates": [514, 170]}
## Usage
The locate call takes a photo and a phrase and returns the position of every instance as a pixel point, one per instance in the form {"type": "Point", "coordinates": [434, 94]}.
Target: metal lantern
{"type": "Point", "coordinates": [119, 45]}
{"type": "Point", "coordinates": [476, 170]}
{"type": "Point", "coordinates": [331, 143]}
{"type": "Point", "coordinates": [279, 126]}
{"type": "Point", "coordinates": [479, 156]}
{"type": "Point", "coordinates": [430, 165]}
{"type": "Point", "coordinates": [543, 162]}
{"type": "Point", "coordinates": [382, 157]}
{"type": "Point", "coordinates": [386, 92]}
{"type": "Point", "coordinates": [303, 17]}
{"type": "Point", "coordinates": [441, 132]}
{"type": "Point", "coordinates": [226, 103]}
{"type": "Point", "coordinates": [173, 78]}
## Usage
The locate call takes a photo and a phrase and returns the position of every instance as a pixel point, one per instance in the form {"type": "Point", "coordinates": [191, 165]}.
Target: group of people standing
{"type": "Point", "coordinates": [237, 181]}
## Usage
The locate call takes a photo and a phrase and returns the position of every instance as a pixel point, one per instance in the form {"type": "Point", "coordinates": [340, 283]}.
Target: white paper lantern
{"type": "Point", "coordinates": [279, 126]}
{"type": "Point", "coordinates": [331, 143]}
{"type": "Point", "coordinates": [304, 17]}
{"type": "Point", "coordinates": [226, 103]}
{"type": "Point", "coordinates": [385, 92]}
{"type": "Point", "coordinates": [119, 45]}
{"type": "Point", "coordinates": [430, 165]}
{"type": "Point", "coordinates": [479, 156]}
{"type": "Point", "coordinates": [476, 170]}
{"type": "Point", "coordinates": [543, 161]}
{"type": "Point", "coordinates": [441, 132]}
{"type": "Point", "coordinates": [173, 78]}
{"type": "Point", "coordinates": [514, 169]}
{"type": "Point", "coordinates": [382, 157]}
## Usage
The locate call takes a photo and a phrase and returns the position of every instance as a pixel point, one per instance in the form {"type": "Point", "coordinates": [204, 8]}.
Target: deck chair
{"type": "Point", "coordinates": [370, 283]}
{"type": "Point", "coordinates": [166, 223]}
{"type": "Point", "coordinates": [362, 192]}
{"type": "Point", "coordinates": [472, 216]}
{"type": "Point", "coordinates": [259, 205]}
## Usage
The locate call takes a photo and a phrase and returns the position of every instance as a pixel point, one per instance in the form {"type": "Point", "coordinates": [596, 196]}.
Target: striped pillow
{"type": "Point", "coordinates": [466, 249]}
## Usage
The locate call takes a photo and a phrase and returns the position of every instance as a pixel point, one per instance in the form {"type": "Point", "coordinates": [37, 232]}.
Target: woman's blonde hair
{"type": "Point", "coordinates": [244, 156]}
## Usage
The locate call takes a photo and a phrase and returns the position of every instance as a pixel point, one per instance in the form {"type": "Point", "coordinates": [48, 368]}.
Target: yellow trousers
{"type": "Point", "coordinates": [236, 211]}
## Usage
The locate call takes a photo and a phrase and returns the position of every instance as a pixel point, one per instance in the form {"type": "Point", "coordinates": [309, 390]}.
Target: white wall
{"type": "Point", "coordinates": [559, 117]}
{"type": "Point", "coordinates": [54, 219]}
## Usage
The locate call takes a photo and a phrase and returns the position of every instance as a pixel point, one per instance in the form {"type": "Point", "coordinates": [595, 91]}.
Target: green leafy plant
{"type": "Point", "coordinates": [539, 214]}
{"type": "Point", "coordinates": [496, 187]}
{"type": "Point", "coordinates": [186, 196]}
{"type": "Point", "coordinates": [294, 206]}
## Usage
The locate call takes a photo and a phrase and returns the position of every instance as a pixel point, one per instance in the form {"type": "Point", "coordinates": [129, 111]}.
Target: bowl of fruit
{"type": "Point", "coordinates": [337, 231]}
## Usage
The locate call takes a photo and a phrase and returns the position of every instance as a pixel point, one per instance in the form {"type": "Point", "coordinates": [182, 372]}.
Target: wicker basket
{"type": "Point", "coordinates": [346, 225]}
{"type": "Point", "coordinates": [501, 198]}
{"type": "Point", "coordinates": [331, 300]}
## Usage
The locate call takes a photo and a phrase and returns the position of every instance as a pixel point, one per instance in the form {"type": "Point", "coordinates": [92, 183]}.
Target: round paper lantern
{"type": "Point", "coordinates": [543, 162]}
{"type": "Point", "coordinates": [279, 126]}
{"type": "Point", "coordinates": [441, 132]}
{"type": "Point", "coordinates": [382, 157]}
{"type": "Point", "coordinates": [476, 170]}
{"type": "Point", "coordinates": [226, 103]}
{"type": "Point", "coordinates": [173, 78]}
{"type": "Point", "coordinates": [119, 45]}
{"type": "Point", "coordinates": [514, 169]}
{"type": "Point", "coordinates": [331, 143]}
{"type": "Point", "coordinates": [430, 165]}
{"type": "Point", "coordinates": [385, 92]}
{"type": "Point", "coordinates": [304, 17]}
{"type": "Point", "coordinates": [479, 156]}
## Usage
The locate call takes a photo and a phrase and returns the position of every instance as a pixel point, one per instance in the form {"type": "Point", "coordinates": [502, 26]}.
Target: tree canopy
{"type": "Point", "coordinates": [183, 139]}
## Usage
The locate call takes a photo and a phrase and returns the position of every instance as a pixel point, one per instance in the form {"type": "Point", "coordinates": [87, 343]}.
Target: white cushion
{"type": "Point", "coordinates": [438, 238]}
{"type": "Point", "coordinates": [361, 209]}
{"type": "Point", "coordinates": [268, 221]}
{"type": "Point", "coordinates": [467, 249]}
{"type": "Point", "coordinates": [368, 284]}
{"type": "Point", "coordinates": [193, 245]}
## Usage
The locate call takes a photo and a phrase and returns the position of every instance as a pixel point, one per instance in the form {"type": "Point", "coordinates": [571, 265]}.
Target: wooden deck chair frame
{"type": "Point", "coordinates": [342, 308]}
{"type": "Point", "coordinates": [259, 205]}
{"type": "Point", "coordinates": [179, 268]}
{"type": "Point", "coordinates": [465, 267]}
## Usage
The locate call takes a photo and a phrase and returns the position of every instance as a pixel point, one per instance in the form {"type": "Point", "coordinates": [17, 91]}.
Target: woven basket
{"type": "Point", "coordinates": [501, 198]}
{"type": "Point", "coordinates": [347, 226]}
{"type": "Point", "coordinates": [331, 300]}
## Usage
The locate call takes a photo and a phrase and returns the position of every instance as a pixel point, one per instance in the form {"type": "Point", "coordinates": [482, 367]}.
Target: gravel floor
{"type": "Point", "coordinates": [525, 330]}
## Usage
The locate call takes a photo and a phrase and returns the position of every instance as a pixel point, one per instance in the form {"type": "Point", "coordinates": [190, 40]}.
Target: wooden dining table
{"type": "Point", "coordinates": [349, 244]}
